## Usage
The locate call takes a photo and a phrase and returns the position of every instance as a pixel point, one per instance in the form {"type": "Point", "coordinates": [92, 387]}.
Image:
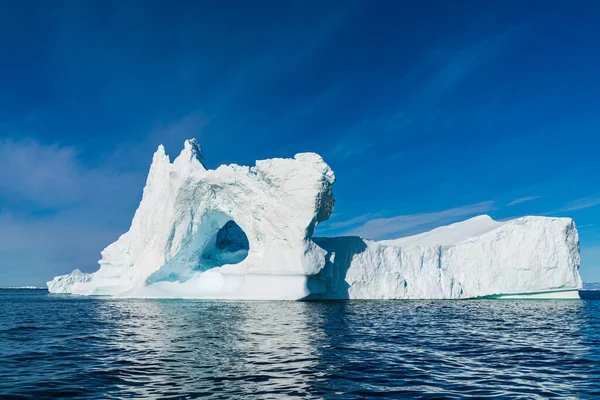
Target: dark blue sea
{"type": "Point", "coordinates": [61, 346]}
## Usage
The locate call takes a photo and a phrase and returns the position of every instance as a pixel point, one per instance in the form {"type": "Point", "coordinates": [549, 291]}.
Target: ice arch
{"type": "Point", "coordinates": [217, 240]}
{"type": "Point", "coordinates": [181, 231]}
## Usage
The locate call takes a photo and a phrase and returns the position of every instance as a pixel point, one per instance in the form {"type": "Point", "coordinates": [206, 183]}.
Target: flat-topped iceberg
{"type": "Point", "coordinates": [528, 257]}
{"type": "Point", "coordinates": [241, 232]}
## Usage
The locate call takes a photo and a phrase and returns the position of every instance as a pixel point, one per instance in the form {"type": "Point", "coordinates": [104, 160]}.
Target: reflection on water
{"type": "Point", "coordinates": [102, 348]}
{"type": "Point", "coordinates": [202, 347]}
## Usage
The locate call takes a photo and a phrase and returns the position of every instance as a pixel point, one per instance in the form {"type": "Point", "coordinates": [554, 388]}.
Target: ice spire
{"type": "Point", "coordinates": [193, 150]}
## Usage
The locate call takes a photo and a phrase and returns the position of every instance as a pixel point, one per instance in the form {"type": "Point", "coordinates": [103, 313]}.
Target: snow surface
{"type": "Point", "coordinates": [450, 234]}
{"type": "Point", "coordinates": [241, 232]}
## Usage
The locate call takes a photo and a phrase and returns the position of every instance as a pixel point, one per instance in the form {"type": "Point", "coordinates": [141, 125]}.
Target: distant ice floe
{"type": "Point", "coordinates": [23, 287]}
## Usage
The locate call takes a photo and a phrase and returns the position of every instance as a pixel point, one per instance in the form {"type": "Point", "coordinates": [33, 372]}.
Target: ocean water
{"type": "Point", "coordinates": [61, 346]}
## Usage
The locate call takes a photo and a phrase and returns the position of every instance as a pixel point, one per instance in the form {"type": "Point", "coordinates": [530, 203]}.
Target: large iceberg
{"type": "Point", "coordinates": [241, 232]}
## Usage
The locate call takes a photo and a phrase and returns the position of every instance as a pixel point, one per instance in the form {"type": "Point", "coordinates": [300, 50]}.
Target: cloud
{"type": "Point", "coordinates": [285, 49]}
{"type": "Point", "coordinates": [53, 176]}
{"type": "Point", "coordinates": [462, 63]}
{"type": "Point", "coordinates": [582, 203]}
{"type": "Point", "coordinates": [138, 152]}
{"type": "Point", "coordinates": [523, 200]}
{"type": "Point", "coordinates": [327, 226]}
{"type": "Point", "coordinates": [590, 262]}
{"type": "Point", "coordinates": [381, 228]}
{"type": "Point", "coordinates": [351, 146]}
{"type": "Point", "coordinates": [58, 212]}
{"type": "Point", "coordinates": [417, 109]}
{"type": "Point", "coordinates": [33, 172]}
{"type": "Point", "coordinates": [33, 251]}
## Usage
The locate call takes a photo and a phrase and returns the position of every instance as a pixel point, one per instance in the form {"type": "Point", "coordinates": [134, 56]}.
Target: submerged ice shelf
{"type": "Point", "coordinates": [241, 232]}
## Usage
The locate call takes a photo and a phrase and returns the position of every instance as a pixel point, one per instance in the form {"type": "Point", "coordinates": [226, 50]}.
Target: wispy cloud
{"type": "Point", "coordinates": [582, 203]}
{"type": "Point", "coordinates": [460, 64]}
{"type": "Point", "coordinates": [352, 145]}
{"type": "Point", "coordinates": [286, 49]}
{"type": "Point", "coordinates": [54, 176]}
{"type": "Point", "coordinates": [58, 212]}
{"type": "Point", "coordinates": [139, 152]}
{"type": "Point", "coordinates": [429, 82]}
{"type": "Point", "coordinates": [523, 200]}
{"type": "Point", "coordinates": [590, 262]}
{"type": "Point", "coordinates": [43, 248]}
{"type": "Point", "coordinates": [347, 223]}
{"type": "Point", "coordinates": [380, 228]}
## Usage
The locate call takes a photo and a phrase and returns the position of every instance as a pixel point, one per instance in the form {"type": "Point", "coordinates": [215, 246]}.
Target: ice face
{"type": "Point", "coordinates": [234, 221]}
{"type": "Point", "coordinates": [246, 233]}
{"type": "Point", "coordinates": [216, 243]}
{"type": "Point", "coordinates": [64, 284]}
{"type": "Point", "coordinates": [525, 255]}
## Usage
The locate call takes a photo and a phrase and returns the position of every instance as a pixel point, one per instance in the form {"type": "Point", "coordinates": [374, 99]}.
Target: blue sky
{"type": "Point", "coordinates": [429, 113]}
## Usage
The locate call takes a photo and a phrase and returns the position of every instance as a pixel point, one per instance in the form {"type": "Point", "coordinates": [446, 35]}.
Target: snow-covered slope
{"type": "Point", "coordinates": [246, 233]}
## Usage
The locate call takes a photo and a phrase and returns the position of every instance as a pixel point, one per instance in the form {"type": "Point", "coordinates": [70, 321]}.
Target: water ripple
{"type": "Point", "coordinates": [59, 346]}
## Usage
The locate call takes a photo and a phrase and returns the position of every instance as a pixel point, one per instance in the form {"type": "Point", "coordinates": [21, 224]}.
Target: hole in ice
{"type": "Point", "coordinates": [228, 246]}
{"type": "Point", "coordinates": [218, 241]}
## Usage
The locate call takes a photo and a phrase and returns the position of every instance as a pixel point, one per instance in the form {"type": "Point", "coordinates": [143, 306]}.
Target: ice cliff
{"type": "Point", "coordinates": [247, 233]}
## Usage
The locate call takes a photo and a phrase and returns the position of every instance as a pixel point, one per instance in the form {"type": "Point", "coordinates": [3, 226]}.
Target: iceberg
{"type": "Point", "coordinates": [239, 232]}
{"type": "Point", "coordinates": [63, 284]}
{"type": "Point", "coordinates": [529, 257]}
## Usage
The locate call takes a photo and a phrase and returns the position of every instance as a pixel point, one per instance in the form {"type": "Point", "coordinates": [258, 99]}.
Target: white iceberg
{"type": "Point", "coordinates": [64, 284]}
{"type": "Point", "coordinates": [247, 233]}
{"type": "Point", "coordinates": [525, 257]}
